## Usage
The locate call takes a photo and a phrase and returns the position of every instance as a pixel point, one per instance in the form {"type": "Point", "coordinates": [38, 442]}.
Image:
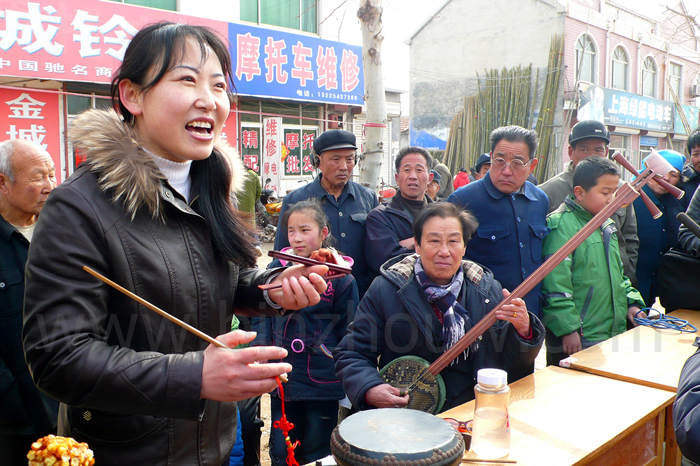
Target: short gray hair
{"type": "Point", "coordinates": [7, 148]}
{"type": "Point", "coordinates": [515, 133]}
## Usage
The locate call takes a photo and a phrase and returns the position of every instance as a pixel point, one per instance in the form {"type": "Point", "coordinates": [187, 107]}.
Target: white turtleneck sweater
{"type": "Point", "coordinates": [177, 173]}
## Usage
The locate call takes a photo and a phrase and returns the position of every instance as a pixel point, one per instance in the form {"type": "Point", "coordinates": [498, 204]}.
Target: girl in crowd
{"type": "Point", "coordinates": [150, 209]}
{"type": "Point", "coordinates": [311, 396]}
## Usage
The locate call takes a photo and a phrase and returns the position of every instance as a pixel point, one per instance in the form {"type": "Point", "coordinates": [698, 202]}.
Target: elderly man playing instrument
{"type": "Point", "coordinates": [422, 304]}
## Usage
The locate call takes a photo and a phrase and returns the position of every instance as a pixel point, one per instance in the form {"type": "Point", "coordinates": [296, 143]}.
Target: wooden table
{"type": "Point", "coordinates": [563, 417]}
{"type": "Point", "coordinates": [643, 355]}
{"type": "Point", "coordinates": [693, 317]}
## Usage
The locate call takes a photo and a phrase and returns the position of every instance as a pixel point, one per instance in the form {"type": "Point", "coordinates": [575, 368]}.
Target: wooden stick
{"type": "Point", "coordinates": [306, 261]}
{"type": "Point", "coordinates": [624, 195]}
{"type": "Point", "coordinates": [161, 312]}
{"type": "Point", "coordinates": [155, 309]}
{"type": "Point", "coordinates": [275, 286]}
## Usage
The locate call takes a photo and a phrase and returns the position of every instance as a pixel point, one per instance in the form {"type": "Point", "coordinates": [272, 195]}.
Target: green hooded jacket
{"type": "Point", "coordinates": [587, 291]}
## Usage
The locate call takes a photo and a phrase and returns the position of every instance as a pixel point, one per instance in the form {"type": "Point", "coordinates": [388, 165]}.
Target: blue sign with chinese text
{"type": "Point", "coordinates": [692, 115]}
{"type": "Point", "coordinates": [619, 108]}
{"type": "Point", "coordinates": [276, 64]}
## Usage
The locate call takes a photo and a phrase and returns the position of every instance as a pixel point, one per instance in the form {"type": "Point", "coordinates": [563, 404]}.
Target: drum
{"type": "Point", "coordinates": [426, 392]}
{"type": "Point", "coordinates": [396, 437]}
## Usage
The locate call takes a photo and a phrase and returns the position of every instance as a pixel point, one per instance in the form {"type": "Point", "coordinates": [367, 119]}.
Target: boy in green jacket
{"type": "Point", "coordinates": [588, 297]}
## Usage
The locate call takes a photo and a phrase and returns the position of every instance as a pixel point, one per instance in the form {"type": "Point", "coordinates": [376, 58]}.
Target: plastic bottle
{"type": "Point", "coordinates": [491, 427]}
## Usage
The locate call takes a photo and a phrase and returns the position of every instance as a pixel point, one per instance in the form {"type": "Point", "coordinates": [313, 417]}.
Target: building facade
{"type": "Point", "coordinates": [58, 58]}
{"type": "Point", "coordinates": [620, 66]}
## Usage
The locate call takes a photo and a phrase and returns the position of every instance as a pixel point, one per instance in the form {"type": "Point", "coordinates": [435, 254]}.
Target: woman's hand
{"type": "Point", "coordinates": [302, 286]}
{"type": "Point", "coordinates": [515, 313]}
{"type": "Point", "coordinates": [235, 374]}
{"type": "Point", "coordinates": [385, 396]}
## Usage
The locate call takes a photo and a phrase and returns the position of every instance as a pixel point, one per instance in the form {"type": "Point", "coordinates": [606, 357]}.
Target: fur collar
{"type": "Point", "coordinates": [404, 268]}
{"type": "Point", "coordinates": [113, 152]}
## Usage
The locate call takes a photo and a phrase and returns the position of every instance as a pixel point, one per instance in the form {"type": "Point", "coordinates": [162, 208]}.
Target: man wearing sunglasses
{"type": "Point", "coordinates": [511, 212]}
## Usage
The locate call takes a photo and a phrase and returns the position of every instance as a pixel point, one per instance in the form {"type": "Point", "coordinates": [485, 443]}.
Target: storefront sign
{"type": "Point", "coordinates": [68, 40]}
{"type": "Point", "coordinates": [272, 154]}
{"type": "Point", "coordinates": [251, 143]}
{"type": "Point", "coordinates": [33, 116]}
{"type": "Point", "coordinates": [619, 108]}
{"type": "Point", "coordinates": [271, 63]}
{"type": "Point", "coordinates": [297, 147]}
{"type": "Point", "coordinates": [692, 115]}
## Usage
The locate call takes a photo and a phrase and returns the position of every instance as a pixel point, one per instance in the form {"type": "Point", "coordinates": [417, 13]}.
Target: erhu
{"type": "Point", "coordinates": [421, 380]}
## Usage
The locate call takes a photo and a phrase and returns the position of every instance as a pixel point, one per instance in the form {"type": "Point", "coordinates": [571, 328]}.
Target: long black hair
{"type": "Point", "coordinates": [313, 207]}
{"type": "Point", "coordinates": [153, 51]}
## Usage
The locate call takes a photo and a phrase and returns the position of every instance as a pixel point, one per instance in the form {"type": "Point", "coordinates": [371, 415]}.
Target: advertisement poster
{"type": "Point", "coordinates": [34, 116]}
{"type": "Point", "coordinates": [272, 153]}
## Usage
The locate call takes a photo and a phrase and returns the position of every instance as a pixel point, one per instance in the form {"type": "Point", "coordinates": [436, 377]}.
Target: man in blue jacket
{"type": "Point", "coordinates": [27, 176]}
{"type": "Point", "coordinates": [390, 226]}
{"type": "Point", "coordinates": [345, 202]}
{"type": "Point", "coordinates": [511, 212]}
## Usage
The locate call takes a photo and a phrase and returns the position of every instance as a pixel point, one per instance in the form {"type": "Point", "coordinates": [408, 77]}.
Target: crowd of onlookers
{"type": "Point", "coordinates": [428, 263]}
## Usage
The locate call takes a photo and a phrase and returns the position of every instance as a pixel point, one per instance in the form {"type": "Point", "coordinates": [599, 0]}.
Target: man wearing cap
{"type": "Point", "coordinates": [591, 138]}
{"type": "Point", "coordinates": [446, 187]}
{"type": "Point", "coordinates": [434, 187]}
{"type": "Point", "coordinates": [390, 226]}
{"type": "Point", "coordinates": [345, 202]}
{"type": "Point", "coordinates": [482, 166]}
{"type": "Point", "coordinates": [656, 236]}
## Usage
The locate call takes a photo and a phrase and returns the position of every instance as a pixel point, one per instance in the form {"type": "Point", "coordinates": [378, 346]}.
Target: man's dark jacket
{"type": "Point", "coordinates": [510, 234]}
{"type": "Point", "coordinates": [395, 319]}
{"type": "Point", "coordinates": [692, 180]}
{"type": "Point", "coordinates": [346, 215]}
{"type": "Point", "coordinates": [23, 408]}
{"type": "Point", "coordinates": [386, 225]}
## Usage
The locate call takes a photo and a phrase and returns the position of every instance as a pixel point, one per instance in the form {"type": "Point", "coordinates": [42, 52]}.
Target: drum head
{"type": "Point", "coordinates": [396, 437]}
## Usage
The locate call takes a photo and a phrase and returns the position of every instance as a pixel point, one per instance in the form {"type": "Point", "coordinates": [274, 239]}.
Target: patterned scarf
{"type": "Point", "coordinates": [456, 321]}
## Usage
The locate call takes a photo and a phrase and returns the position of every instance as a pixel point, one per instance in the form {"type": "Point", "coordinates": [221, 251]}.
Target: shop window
{"type": "Point", "coordinates": [250, 111]}
{"type": "Point", "coordinates": [77, 104]}
{"type": "Point", "coordinates": [160, 4]}
{"type": "Point", "coordinates": [675, 79]}
{"type": "Point", "coordinates": [649, 77]}
{"type": "Point", "coordinates": [585, 59]}
{"type": "Point", "coordinates": [620, 69]}
{"type": "Point", "coordinates": [292, 14]}
{"type": "Point", "coordinates": [680, 147]}
{"type": "Point", "coordinates": [621, 143]}
{"type": "Point", "coordinates": [644, 151]}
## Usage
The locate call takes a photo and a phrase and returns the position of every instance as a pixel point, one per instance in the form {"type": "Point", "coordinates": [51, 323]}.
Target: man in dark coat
{"type": "Point", "coordinates": [511, 212]}
{"type": "Point", "coordinates": [27, 176]}
{"type": "Point", "coordinates": [691, 172]}
{"type": "Point", "coordinates": [390, 226]}
{"type": "Point", "coordinates": [657, 235]}
{"type": "Point", "coordinates": [345, 202]}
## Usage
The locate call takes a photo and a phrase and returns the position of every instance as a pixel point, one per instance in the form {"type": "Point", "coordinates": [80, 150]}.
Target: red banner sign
{"type": "Point", "coordinates": [68, 40]}
{"type": "Point", "coordinates": [33, 116]}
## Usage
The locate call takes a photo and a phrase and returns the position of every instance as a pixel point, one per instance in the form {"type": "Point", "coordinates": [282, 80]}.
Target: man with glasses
{"type": "Point", "coordinates": [511, 212]}
{"type": "Point", "coordinates": [591, 138]}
